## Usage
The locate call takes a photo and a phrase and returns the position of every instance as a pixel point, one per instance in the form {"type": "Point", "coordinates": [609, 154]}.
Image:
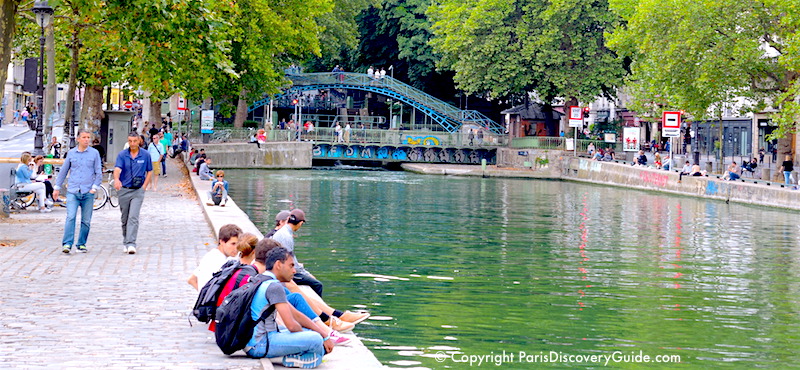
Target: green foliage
{"type": "Point", "coordinates": [698, 55]}
{"type": "Point", "coordinates": [555, 48]}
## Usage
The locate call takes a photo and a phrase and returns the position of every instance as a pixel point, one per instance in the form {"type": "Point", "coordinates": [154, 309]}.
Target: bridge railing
{"type": "Point", "coordinates": [387, 137]}
{"type": "Point", "coordinates": [361, 79]}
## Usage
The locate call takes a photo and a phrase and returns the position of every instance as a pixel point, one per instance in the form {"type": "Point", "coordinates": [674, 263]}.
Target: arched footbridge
{"type": "Point", "coordinates": [450, 118]}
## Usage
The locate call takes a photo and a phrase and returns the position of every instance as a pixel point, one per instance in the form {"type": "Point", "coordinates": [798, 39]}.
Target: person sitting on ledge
{"type": "Point", "coordinates": [733, 172]}
{"type": "Point", "coordinates": [218, 195]}
{"type": "Point", "coordinates": [204, 172]}
{"type": "Point", "coordinates": [642, 159]}
{"type": "Point", "coordinates": [696, 171]}
{"type": "Point", "coordinates": [687, 169]}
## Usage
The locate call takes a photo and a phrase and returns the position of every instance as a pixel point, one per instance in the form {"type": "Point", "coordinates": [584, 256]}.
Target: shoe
{"type": "Point", "coordinates": [131, 250]}
{"type": "Point", "coordinates": [339, 339]}
{"type": "Point", "coordinates": [66, 248]}
{"type": "Point", "coordinates": [308, 360]}
{"type": "Point", "coordinates": [354, 317]}
{"type": "Point", "coordinates": [341, 326]}
{"type": "Point", "coordinates": [45, 210]}
{"type": "Point", "coordinates": [82, 248]}
{"type": "Point", "coordinates": [48, 202]}
{"type": "Point", "coordinates": [125, 249]}
{"type": "Point", "coordinates": [222, 204]}
{"type": "Point", "coordinates": [210, 204]}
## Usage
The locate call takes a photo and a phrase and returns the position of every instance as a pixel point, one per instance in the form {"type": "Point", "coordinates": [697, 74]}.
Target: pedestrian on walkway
{"type": "Point", "coordinates": [156, 153]}
{"type": "Point", "coordinates": [84, 168]}
{"type": "Point", "coordinates": [787, 167]}
{"type": "Point", "coordinates": [347, 130]}
{"type": "Point", "coordinates": [132, 173]}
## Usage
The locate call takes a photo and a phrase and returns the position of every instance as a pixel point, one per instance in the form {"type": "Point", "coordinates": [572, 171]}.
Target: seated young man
{"type": "Point", "coordinates": [219, 190]}
{"type": "Point", "coordinates": [215, 258]}
{"type": "Point", "coordinates": [204, 171]}
{"type": "Point", "coordinates": [302, 344]}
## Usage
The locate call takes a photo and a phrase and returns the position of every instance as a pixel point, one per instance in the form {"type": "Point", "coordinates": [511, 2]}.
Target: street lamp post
{"type": "Point", "coordinates": [391, 68]}
{"type": "Point", "coordinates": [43, 13]}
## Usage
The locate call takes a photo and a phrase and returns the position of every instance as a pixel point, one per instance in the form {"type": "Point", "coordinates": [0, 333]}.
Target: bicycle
{"type": "Point", "coordinates": [106, 194]}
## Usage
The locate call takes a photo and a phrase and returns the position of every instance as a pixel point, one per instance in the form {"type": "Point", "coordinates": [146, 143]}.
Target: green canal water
{"type": "Point", "coordinates": [455, 267]}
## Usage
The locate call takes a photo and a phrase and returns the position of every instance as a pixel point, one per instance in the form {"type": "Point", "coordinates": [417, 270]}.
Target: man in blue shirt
{"type": "Point", "coordinates": [303, 344]}
{"type": "Point", "coordinates": [84, 166]}
{"type": "Point", "coordinates": [132, 173]}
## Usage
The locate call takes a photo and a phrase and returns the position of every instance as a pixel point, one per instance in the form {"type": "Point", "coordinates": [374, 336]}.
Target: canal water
{"type": "Point", "coordinates": [452, 267]}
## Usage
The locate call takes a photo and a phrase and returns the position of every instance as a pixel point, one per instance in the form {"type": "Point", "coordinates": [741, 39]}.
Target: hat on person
{"type": "Point", "coordinates": [282, 216]}
{"type": "Point", "coordinates": [297, 215]}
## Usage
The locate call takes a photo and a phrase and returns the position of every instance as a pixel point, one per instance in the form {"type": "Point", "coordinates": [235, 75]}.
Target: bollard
{"type": "Point", "coordinates": [709, 169]}
{"type": "Point", "coordinates": [766, 174]}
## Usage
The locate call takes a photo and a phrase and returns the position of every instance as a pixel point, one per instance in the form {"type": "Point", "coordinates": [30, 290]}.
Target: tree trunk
{"type": "Point", "coordinates": [72, 84]}
{"type": "Point", "coordinates": [92, 109]}
{"type": "Point", "coordinates": [50, 90]}
{"type": "Point", "coordinates": [241, 110]}
{"type": "Point", "coordinates": [8, 23]}
{"type": "Point", "coordinates": [155, 112]}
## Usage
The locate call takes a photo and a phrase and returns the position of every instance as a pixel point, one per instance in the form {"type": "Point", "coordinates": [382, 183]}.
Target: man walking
{"type": "Point", "coordinates": [132, 174]}
{"type": "Point", "coordinates": [84, 167]}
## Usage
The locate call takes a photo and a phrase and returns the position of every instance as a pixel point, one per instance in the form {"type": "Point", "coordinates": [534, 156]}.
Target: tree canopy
{"type": "Point", "coordinates": [698, 55]}
{"type": "Point", "coordinates": [553, 48]}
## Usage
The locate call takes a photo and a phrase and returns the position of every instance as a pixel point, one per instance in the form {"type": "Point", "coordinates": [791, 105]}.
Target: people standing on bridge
{"type": "Point", "coordinates": [84, 166]}
{"type": "Point", "coordinates": [347, 130]}
{"type": "Point", "coordinates": [337, 130]}
{"type": "Point", "coordinates": [480, 136]}
{"type": "Point", "coordinates": [370, 72]}
{"type": "Point", "coordinates": [132, 173]}
{"type": "Point", "coordinates": [309, 130]}
{"type": "Point", "coordinates": [471, 137]}
{"type": "Point", "coordinates": [383, 73]}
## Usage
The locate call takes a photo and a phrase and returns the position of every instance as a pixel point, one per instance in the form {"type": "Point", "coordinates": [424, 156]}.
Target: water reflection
{"type": "Point", "coordinates": [515, 265]}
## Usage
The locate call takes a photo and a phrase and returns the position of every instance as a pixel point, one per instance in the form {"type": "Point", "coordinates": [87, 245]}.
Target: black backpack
{"type": "Point", "coordinates": [235, 325]}
{"type": "Point", "coordinates": [206, 306]}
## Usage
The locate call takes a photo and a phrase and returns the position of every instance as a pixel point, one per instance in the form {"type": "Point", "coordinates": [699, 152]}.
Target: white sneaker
{"type": "Point", "coordinates": [125, 249]}
{"type": "Point", "coordinates": [131, 250]}
{"type": "Point", "coordinates": [48, 202]}
{"type": "Point", "coordinates": [45, 210]}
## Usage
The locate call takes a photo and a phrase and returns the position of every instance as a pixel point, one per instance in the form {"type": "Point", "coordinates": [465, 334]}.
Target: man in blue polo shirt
{"type": "Point", "coordinates": [131, 175]}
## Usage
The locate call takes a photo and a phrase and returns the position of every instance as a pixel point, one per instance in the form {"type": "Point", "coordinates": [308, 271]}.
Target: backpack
{"type": "Point", "coordinates": [235, 325]}
{"type": "Point", "coordinates": [206, 306]}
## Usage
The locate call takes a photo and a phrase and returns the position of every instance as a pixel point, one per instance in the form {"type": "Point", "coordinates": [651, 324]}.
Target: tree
{"type": "Point", "coordinates": [258, 62]}
{"type": "Point", "coordinates": [8, 24]}
{"type": "Point", "coordinates": [553, 48]}
{"type": "Point", "coordinates": [699, 55]}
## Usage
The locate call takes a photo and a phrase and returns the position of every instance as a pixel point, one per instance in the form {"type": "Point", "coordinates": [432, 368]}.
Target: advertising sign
{"type": "Point", "coordinates": [630, 138]}
{"type": "Point", "coordinates": [207, 121]}
{"type": "Point", "coordinates": [610, 138]}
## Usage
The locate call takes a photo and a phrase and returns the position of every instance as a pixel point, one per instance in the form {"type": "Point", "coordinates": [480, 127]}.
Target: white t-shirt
{"type": "Point", "coordinates": [210, 264]}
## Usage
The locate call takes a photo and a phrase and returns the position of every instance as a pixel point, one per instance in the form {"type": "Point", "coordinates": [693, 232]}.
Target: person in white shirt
{"type": "Point", "coordinates": [215, 258]}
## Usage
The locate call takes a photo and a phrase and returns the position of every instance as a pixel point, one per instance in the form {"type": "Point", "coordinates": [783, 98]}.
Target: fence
{"type": "Point", "coordinates": [559, 143]}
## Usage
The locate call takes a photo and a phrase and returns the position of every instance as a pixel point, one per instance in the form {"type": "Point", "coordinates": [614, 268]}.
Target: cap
{"type": "Point", "coordinates": [282, 216]}
{"type": "Point", "coordinates": [297, 215]}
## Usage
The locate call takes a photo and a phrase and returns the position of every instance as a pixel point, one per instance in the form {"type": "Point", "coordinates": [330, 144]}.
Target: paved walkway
{"type": "Point", "coordinates": [106, 309]}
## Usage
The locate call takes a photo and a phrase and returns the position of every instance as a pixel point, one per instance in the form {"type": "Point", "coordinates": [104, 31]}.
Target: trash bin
{"type": "Point", "coordinates": [48, 168]}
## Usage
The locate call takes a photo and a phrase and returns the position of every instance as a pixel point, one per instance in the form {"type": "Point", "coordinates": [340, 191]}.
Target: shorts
{"type": "Point", "coordinates": [156, 168]}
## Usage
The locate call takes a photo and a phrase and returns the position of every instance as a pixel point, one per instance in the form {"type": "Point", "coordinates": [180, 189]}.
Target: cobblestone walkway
{"type": "Point", "coordinates": [106, 309]}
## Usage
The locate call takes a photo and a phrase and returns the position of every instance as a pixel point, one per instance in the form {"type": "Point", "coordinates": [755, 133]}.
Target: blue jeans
{"type": "Point", "coordinates": [299, 302]}
{"type": "Point", "coordinates": [85, 201]}
{"type": "Point", "coordinates": [733, 175]}
{"type": "Point", "coordinates": [787, 175]}
{"type": "Point", "coordinates": [282, 343]}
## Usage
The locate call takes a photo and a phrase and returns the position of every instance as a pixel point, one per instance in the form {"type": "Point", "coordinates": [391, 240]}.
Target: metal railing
{"type": "Point", "coordinates": [450, 117]}
{"type": "Point", "coordinates": [559, 143]}
{"type": "Point", "coordinates": [387, 137]}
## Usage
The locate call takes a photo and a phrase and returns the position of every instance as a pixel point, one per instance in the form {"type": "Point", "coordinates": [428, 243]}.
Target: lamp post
{"type": "Point", "coordinates": [391, 68]}
{"type": "Point", "coordinates": [43, 13]}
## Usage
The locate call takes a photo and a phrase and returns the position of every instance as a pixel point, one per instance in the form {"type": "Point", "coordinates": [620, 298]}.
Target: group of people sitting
{"type": "Point", "coordinates": [301, 327]}
{"type": "Point", "coordinates": [30, 176]}
{"type": "Point", "coordinates": [201, 164]}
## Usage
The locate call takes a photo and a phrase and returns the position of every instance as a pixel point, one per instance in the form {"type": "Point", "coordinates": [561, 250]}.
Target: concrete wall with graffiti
{"type": "Point", "coordinates": [404, 153]}
{"type": "Point", "coordinates": [712, 187]}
